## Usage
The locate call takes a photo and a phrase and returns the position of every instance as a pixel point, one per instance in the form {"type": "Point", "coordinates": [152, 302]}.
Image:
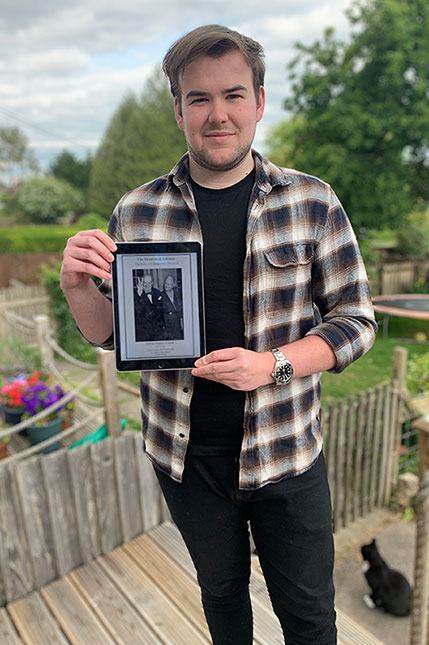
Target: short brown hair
{"type": "Point", "coordinates": [213, 41]}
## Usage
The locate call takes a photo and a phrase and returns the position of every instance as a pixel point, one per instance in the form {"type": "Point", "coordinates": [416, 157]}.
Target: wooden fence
{"type": "Point", "coordinates": [60, 510]}
{"type": "Point", "coordinates": [399, 277]}
{"type": "Point", "coordinates": [361, 437]}
{"type": "Point", "coordinates": [19, 303]}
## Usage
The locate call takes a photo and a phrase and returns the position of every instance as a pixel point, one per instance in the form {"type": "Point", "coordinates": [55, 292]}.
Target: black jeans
{"type": "Point", "coordinates": [291, 524]}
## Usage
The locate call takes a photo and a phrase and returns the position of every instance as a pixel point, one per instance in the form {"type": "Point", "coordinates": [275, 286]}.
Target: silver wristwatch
{"type": "Point", "coordinates": [283, 370]}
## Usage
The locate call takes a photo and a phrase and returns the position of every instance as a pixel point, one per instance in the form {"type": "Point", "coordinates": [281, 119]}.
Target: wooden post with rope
{"type": "Point", "coordinates": [109, 390]}
{"type": "Point", "coordinates": [420, 604]}
{"type": "Point", "coordinates": [42, 333]}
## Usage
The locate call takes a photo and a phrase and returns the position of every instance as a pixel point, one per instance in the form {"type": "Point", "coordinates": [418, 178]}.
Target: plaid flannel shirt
{"type": "Point", "coordinates": [303, 274]}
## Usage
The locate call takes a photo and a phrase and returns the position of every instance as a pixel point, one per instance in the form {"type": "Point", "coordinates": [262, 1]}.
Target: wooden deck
{"type": "Point", "coordinates": [144, 591]}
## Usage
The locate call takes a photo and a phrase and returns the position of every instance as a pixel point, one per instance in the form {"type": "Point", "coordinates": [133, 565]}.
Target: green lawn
{"type": "Point", "coordinates": [376, 366]}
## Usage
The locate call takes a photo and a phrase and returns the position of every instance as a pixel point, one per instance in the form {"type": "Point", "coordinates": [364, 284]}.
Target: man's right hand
{"type": "Point", "coordinates": [88, 253]}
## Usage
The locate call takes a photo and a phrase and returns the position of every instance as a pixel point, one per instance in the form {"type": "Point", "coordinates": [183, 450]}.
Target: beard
{"type": "Point", "coordinates": [204, 158]}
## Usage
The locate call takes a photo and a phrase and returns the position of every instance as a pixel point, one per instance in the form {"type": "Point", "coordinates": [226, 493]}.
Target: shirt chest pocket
{"type": "Point", "coordinates": [287, 277]}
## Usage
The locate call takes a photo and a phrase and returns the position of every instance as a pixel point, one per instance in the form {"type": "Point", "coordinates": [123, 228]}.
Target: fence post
{"type": "Point", "coordinates": [109, 391]}
{"type": "Point", "coordinates": [420, 603]}
{"type": "Point", "coordinates": [400, 360]}
{"type": "Point", "coordinates": [3, 322]}
{"type": "Point", "coordinates": [42, 332]}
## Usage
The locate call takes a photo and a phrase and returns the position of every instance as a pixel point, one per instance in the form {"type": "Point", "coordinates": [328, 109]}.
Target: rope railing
{"type": "Point", "coordinates": [20, 323]}
{"type": "Point", "coordinates": [74, 361]}
{"type": "Point", "coordinates": [28, 452]}
{"type": "Point", "coordinates": [52, 408]}
{"type": "Point", "coordinates": [79, 396]}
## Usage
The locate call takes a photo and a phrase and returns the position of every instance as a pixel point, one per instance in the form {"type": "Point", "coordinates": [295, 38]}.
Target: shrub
{"type": "Point", "coordinates": [47, 200]}
{"type": "Point", "coordinates": [413, 235]}
{"type": "Point", "coordinates": [69, 337]}
{"type": "Point", "coordinates": [35, 239]}
{"type": "Point", "coordinates": [418, 374]}
{"type": "Point", "coordinates": [92, 220]}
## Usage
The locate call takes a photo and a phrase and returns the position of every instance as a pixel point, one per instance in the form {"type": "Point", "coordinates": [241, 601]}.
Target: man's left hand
{"type": "Point", "coordinates": [236, 367]}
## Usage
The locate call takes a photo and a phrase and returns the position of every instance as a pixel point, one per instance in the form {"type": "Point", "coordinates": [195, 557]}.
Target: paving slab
{"type": "Point", "coordinates": [396, 542]}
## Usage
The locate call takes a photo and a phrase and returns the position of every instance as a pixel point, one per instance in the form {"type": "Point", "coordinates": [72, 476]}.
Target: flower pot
{"type": "Point", "coordinates": [40, 433]}
{"type": "Point", "coordinates": [12, 416]}
{"type": "Point", "coordinates": [3, 449]}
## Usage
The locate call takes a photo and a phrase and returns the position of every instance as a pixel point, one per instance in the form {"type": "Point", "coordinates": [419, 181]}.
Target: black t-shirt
{"type": "Point", "coordinates": [217, 410]}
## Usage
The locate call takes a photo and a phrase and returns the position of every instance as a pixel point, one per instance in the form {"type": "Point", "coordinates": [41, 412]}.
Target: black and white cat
{"type": "Point", "coordinates": [390, 588]}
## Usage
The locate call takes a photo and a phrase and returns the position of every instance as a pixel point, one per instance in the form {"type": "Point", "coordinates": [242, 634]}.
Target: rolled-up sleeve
{"type": "Point", "coordinates": [341, 290]}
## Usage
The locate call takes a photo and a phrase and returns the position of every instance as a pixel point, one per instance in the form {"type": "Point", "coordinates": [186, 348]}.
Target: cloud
{"type": "Point", "coordinates": [64, 68]}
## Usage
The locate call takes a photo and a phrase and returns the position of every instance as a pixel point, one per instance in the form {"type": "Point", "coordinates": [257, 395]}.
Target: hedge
{"type": "Point", "coordinates": [35, 239]}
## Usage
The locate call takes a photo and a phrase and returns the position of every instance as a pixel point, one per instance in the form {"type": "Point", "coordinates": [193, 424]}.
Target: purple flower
{"type": "Point", "coordinates": [38, 396]}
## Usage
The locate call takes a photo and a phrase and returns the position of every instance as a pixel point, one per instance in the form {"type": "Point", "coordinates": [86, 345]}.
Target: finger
{"type": "Point", "coordinates": [220, 369]}
{"type": "Point", "coordinates": [78, 266]}
{"type": "Point", "coordinates": [99, 235]}
{"type": "Point", "coordinates": [87, 255]}
{"type": "Point", "coordinates": [226, 354]}
{"type": "Point", "coordinates": [83, 240]}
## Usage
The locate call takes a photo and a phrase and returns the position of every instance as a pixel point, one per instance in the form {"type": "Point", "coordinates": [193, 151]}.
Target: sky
{"type": "Point", "coordinates": [65, 66]}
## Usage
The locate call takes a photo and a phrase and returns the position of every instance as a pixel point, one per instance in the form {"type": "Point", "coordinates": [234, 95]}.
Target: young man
{"type": "Point", "coordinates": [237, 439]}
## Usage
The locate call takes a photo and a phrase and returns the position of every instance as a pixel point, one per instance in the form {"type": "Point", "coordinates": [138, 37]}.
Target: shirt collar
{"type": "Point", "coordinates": [267, 175]}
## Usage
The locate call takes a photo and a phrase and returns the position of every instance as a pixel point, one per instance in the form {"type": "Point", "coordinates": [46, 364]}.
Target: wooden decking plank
{"type": "Point", "coordinates": [72, 613]}
{"type": "Point", "coordinates": [172, 579]}
{"type": "Point", "coordinates": [8, 633]}
{"type": "Point", "coordinates": [124, 622]}
{"type": "Point", "coordinates": [34, 621]}
{"type": "Point", "coordinates": [266, 626]}
{"type": "Point", "coordinates": [144, 594]}
{"type": "Point", "coordinates": [351, 633]}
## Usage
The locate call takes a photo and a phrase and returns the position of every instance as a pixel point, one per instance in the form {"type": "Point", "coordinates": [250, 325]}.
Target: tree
{"type": "Point", "coordinates": [142, 142]}
{"type": "Point", "coordinates": [15, 154]}
{"type": "Point", "coordinates": [76, 171]}
{"type": "Point", "coordinates": [360, 113]}
{"type": "Point", "coordinates": [45, 200]}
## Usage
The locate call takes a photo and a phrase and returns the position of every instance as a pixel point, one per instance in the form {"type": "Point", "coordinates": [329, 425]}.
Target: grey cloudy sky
{"type": "Point", "coordinates": [64, 67]}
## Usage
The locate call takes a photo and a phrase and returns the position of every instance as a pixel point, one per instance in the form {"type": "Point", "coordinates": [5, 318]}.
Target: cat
{"type": "Point", "coordinates": [390, 588]}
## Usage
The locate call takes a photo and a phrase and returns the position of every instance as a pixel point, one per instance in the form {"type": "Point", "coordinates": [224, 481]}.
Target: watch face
{"type": "Point", "coordinates": [284, 373]}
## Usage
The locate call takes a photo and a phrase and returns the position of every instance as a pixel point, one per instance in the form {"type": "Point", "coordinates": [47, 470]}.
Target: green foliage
{"type": "Point", "coordinates": [46, 200]}
{"type": "Point", "coordinates": [17, 357]}
{"type": "Point", "coordinates": [35, 239]}
{"type": "Point", "coordinates": [69, 337]}
{"type": "Point", "coordinates": [73, 170]}
{"type": "Point", "coordinates": [14, 150]}
{"type": "Point", "coordinates": [418, 374]}
{"type": "Point", "coordinates": [142, 142]}
{"type": "Point", "coordinates": [360, 117]}
{"type": "Point", "coordinates": [92, 220]}
{"type": "Point", "coordinates": [421, 285]}
{"type": "Point", "coordinates": [413, 235]}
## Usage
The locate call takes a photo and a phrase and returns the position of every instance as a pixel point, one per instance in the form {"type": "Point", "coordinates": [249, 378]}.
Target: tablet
{"type": "Point", "coordinates": [158, 305]}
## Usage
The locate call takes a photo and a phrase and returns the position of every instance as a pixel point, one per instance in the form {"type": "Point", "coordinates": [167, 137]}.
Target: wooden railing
{"type": "Point", "coordinates": [61, 510]}
{"type": "Point", "coordinates": [420, 603]}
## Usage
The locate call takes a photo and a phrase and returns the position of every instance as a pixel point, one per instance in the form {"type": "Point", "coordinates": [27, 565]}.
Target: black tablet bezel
{"type": "Point", "coordinates": [159, 250]}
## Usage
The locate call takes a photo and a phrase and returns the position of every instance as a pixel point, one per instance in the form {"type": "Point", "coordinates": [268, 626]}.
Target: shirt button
{"type": "Point", "coordinates": [181, 435]}
{"type": "Point", "coordinates": [186, 390]}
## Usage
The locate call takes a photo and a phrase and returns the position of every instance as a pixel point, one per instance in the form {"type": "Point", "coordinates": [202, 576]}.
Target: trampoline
{"type": "Point", "coordinates": [408, 305]}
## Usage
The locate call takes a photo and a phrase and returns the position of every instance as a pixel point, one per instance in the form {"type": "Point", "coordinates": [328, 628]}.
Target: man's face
{"type": "Point", "coordinates": [219, 111]}
{"type": "Point", "coordinates": [147, 283]}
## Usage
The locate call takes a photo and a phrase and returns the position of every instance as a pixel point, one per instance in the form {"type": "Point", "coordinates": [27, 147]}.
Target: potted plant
{"type": "Point", "coordinates": [36, 397]}
{"type": "Point", "coordinates": [11, 399]}
{"type": "Point", "coordinates": [11, 396]}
